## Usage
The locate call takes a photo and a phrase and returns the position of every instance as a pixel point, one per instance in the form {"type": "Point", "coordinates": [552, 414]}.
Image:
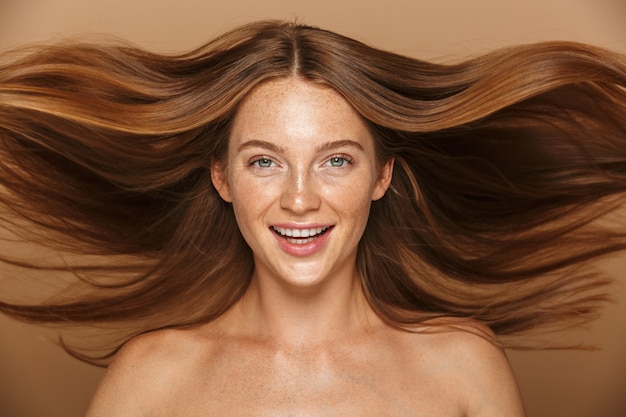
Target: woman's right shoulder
{"type": "Point", "coordinates": [139, 379]}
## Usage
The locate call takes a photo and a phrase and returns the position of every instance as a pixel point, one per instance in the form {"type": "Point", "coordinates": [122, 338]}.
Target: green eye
{"type": "Point", "coordinates": [263, 163]}
{"type": "Point", "coordinates": [338, 161]}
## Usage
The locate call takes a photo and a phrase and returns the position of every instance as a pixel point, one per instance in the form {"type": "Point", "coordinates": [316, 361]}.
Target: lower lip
{"type": "Point", "coordinates": [306, 249]}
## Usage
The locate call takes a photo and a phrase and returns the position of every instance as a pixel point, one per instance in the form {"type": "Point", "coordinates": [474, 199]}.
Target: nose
{"type": "Point", "coordinates": [300, 193]}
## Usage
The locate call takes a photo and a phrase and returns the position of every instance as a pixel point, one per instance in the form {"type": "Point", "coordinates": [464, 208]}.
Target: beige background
{"type": "Point", "coordinates": [39, 380]}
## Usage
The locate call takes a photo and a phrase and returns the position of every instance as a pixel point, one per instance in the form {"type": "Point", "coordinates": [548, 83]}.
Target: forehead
{"type": "Point", "coordinates": [295, 109]}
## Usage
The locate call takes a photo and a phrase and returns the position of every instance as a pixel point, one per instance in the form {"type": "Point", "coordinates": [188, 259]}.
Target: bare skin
{"type": "Point", "coordinates": [213, 371]}
{"type": "Point", "coordinates": [301, 175]}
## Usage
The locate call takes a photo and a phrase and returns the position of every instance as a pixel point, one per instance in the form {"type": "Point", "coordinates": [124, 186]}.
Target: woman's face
{"type": "Point", "coordinates": [301, 173]}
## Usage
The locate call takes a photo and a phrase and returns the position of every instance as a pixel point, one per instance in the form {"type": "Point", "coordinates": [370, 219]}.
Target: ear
{"type": "Point", "coordinates": [219, 177]}
{"type": "Point", "coordinates": [383, 181]}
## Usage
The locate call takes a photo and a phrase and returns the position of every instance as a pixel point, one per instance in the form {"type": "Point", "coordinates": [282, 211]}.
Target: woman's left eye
{"type": "Point", "coordinates": [338, 161]}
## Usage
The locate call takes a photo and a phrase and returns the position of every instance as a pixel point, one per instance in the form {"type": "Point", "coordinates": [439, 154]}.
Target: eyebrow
{"type": "Point", "coordinates": [339, 144]}
{"type": "Point", "coordinates": [261, 144]}
{"type": "Point", "coordinates": [324, 147]}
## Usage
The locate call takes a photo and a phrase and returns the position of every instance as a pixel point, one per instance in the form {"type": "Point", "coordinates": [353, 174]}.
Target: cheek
{"type": "Point", "coordinates": [250, 194]}
{"type": "Point", "coordinates": [250, 202]}
{"type": "Point", "coordinates": [358, 191]}
{"type": "Point", "coordinates": [352, 203]}
{"type": "Point", "coordinates": [242, 200]}
{"type": "Point", "coordinates": [245, 216]}
{"type": "Point", "coordinates": [245, 204]}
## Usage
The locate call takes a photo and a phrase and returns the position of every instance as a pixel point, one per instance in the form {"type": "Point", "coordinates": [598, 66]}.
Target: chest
{"type": "Point", "coordinates": [325, 384]}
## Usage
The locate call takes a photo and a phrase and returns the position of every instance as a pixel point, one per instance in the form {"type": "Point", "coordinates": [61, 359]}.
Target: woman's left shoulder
{"type": "Point", "coordinates": [464, 338]}
{"type": "Point", "coordinates": [469, 360]}
{"type": "Point", "coordinates": [450, 337]}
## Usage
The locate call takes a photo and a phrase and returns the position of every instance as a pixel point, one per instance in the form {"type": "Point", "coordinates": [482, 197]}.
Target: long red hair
{"type": "Point", "coordinates": [504, 166]}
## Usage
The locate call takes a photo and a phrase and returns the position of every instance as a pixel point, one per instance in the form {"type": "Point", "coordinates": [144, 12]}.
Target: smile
{"type": "Point", "coordinates": [300, 236]}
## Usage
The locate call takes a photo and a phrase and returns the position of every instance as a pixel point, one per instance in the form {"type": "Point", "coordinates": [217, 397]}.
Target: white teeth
{"type": "Point", "coordinates": [300, 233]}
{"type": "Point", "coordinates": [301, 241]}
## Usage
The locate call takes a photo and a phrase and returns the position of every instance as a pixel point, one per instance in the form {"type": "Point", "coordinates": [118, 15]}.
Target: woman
{"type": "Point", "coordinates": [325, 228]}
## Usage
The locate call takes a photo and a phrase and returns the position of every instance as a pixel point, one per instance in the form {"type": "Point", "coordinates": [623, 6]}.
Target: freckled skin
{"type": "Point", "coordinates": [301, 188]}
{"type": "Point", "coordinates": [303, 340]}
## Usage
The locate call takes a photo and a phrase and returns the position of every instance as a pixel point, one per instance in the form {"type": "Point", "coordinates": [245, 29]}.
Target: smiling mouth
{"type": "Point", "coordinates": [300, 236]}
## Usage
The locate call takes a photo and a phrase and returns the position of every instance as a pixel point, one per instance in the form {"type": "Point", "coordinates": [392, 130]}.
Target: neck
{"type": "Point", "coordinates": [304, 316]}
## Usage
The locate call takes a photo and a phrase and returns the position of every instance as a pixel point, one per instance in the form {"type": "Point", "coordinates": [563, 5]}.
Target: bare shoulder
{"type": "Point", "coordinates": [139, 381]}
{"type": "Point", "coordinates": [466, 358]}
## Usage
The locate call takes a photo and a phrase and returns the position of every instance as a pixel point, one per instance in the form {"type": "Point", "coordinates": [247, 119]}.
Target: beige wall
{"type": "Point", "coordinates": [38, 380]}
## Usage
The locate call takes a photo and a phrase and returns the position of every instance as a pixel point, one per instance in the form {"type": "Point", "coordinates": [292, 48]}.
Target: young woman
{"type": "Point", "coordinates": [294, 223]}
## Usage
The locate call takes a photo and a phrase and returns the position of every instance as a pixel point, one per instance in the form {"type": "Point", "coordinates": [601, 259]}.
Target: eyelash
{"type": "Point", "coordinates": [257, 160]}
{"type": "Point", "coordinates": [342, 157]}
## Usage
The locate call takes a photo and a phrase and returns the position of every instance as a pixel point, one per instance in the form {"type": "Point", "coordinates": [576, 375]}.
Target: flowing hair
{"type": "Point", "coordinates": [506, 167]}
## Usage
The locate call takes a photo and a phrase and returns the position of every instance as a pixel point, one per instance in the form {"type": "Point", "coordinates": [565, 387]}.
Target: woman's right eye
{"type": "Point", "coordinates": [262, 162]}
